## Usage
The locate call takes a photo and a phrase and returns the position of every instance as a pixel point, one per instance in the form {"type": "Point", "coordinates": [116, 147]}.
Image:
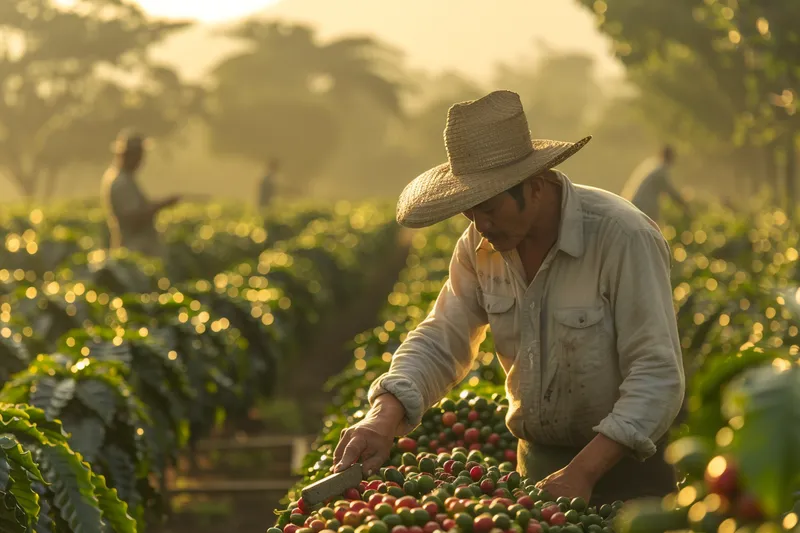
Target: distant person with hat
{"type": "Point", "coordinates": [573, 282]}
{"type": "Point", "coordinates": [649, 182]}
{"type": "Point", "coordinates": [131, 215]}
{"type": "Point", "coordinates": [266, 189]}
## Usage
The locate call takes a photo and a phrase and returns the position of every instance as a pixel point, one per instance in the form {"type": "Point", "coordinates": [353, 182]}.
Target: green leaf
{"type": "Point", "coordinates": [706, 384]}
{"type": "Point", "coordinates": [647, 515]}
{"type": "Point", "coordinates": [22, 428]}
{"type": "Point", "coordinates": [10, 514]}
{"type": "Point", "coordinates": [72, 486]}
{"type": "Point", "coordinates": [23, 492]}
{"type": "Point", "coordinates": [115, 511]}
{"type": "Point", "coordinates": [121, 470]}
{"type": "Point", "coordinates": [46, 523]}
{"type": "Point", "coordinates": [51, 429]}
{"type": "Point", "coordinates": [87, 435]}
{"type": "Point", "coordinates": [283, 517]}
{"type": "Point", "coordinates": [5, 470]}
{"type": "Point", "coordinates": [52, 395]}
{"type": "Point", "coordinates": [99, 397]}
{"type": "Point", "coordinates": [25, 460]}
{"type": "Point", "coordinates": [62, 394]}
{"type": "Point", "coordinates": [40, 392]}
{"type": "Point", "coordinates": [8, 411]}
{"type": "Point", "coordinates": [768, 400]}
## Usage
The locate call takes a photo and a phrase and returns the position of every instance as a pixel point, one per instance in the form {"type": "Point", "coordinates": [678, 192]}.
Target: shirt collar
{"type": "Point", "coordinates": [570, 231]}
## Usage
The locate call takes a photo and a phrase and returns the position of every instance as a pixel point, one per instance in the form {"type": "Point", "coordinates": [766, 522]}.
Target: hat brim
{"type": "Point", "coordinates": [120, 147]}
{"type": "Point", "coordinates": [438, 194]}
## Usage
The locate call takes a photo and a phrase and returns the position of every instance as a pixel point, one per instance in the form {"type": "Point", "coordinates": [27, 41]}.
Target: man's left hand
{"type": "Point", "coordinates": [570, 482]}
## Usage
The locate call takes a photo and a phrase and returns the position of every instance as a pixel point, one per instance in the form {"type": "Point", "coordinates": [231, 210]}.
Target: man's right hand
{"type": "Point", "coordinates": [371, 439]}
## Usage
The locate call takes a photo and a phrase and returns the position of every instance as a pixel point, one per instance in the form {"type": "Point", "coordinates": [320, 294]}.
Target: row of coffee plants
{"type": "Point", "coordinates": [736, 281]}
{"type": "Point", "coordinates": [112, 366]}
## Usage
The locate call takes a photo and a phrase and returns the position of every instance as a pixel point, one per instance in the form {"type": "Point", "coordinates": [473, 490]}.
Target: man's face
{"type": "Point", "coordinates": [502, 221]}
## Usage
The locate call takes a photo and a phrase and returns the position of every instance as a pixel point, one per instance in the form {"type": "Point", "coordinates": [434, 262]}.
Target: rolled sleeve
{"type": "Point", "coordinates": [648, 345]}
{"type": "Point", "coordinates": [439, 353]}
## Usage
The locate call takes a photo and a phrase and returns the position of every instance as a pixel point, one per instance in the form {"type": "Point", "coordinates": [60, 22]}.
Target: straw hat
{"type": "Point", "coordinates": [489, 150]}
{"type": "Point", "coordinates": [130, 140]}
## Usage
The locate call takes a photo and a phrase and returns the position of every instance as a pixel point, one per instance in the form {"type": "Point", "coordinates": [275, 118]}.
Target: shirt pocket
{"type": "Point", "coordinates": [501, 312]}
{"type": "Point", "coordinates": [580, 338]}
{"type": "Point", "coordinates": [581, 350]}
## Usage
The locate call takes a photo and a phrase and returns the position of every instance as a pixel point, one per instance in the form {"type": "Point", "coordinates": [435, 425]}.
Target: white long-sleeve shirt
{"type": "Point", "coordinates": [590, 346]}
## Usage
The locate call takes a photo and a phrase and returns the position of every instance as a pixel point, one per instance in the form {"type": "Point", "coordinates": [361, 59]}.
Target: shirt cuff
{"type": "Point", "coordinates": [623, 432]}
{"type": "Point", "coordinates": [407, 393]}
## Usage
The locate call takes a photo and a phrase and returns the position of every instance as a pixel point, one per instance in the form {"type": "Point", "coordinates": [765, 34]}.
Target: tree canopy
{"type": "Point", "coordinates": [715, 74]}
{"type": "Point", "coordinates": [70, 79]}
{"type": "Point", "coordinates": [295, 98]}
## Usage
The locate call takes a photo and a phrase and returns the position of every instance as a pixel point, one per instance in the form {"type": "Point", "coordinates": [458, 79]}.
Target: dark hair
{"type": "Point", "coordinates": [517, 193]}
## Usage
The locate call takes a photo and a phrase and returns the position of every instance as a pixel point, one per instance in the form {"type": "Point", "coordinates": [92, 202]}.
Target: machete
{"type": "Point", "coordinates": [333, 485]}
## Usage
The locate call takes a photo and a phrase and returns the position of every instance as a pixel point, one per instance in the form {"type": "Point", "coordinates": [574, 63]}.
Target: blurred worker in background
{"type": "Point", "coordinates": [266, 190]}
{"type": "Point", "coordinates": [130, 214]}
{"type": "Point", "coordinates": [647, 185]}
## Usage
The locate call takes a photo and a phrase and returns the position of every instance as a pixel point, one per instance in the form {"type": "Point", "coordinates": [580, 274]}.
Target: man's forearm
{"type": "Point", "coordinates": [598, 457]}
{"type": "Point", "coordinates": [389, 407]}
{"type": "Point", "coordinates": [677, 197]}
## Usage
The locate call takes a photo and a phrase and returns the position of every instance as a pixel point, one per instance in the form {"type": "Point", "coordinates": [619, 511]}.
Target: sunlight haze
{"type": "Point", "coordinates": [466, 36]}
{"type": "Point", "coordinates": [203, 10]}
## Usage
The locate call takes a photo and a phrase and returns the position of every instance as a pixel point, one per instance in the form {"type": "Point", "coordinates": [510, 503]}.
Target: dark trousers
{"type": "Point", "coordinates": [628, 479]}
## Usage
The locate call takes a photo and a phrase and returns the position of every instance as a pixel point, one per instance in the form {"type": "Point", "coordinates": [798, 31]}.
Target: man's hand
{"type": "Point", "coordinates": [579, 477]}
{"type": "Point", "coordinates": [570, 482]}
{"type": "Point", "coordinates": [371, 439]}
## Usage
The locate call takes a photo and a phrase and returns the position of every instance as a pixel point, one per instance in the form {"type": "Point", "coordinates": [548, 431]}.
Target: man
{"type": "Point", "coordinates": [645, 188]}
{"type": "Point", "coordinates": [574, 283]}
{"type": "Point", "coordinates": [131, 215]}
{"type": "Point", "coordinates": [267, 187]}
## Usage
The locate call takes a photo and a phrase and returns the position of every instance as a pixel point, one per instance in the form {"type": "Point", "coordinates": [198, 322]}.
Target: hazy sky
{"type": "Point", "coordinates": [469, 36]}
{"type": "Point", "coordinates": [204, 10]}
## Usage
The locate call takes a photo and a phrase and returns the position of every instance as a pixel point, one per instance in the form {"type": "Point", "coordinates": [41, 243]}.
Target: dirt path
{"type": "Point", "coordinates": [329, 353]}
{"type": "Point", "coordinates": [251, 512]}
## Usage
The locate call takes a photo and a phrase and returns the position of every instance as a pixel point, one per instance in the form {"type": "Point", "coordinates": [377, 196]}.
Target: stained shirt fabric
{"type": "Point", "coordinates": [589, 346]}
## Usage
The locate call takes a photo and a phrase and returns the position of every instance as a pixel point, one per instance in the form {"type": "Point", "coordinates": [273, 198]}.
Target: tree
{"type": "Point", "coordinates": [70, 79]}
{"type": "Point", "coordinates": [712, 72]}
{"type": "Point", "coordinates": [294, 98]}
{"type": "Point", "coordinates": [559, 93]}
{"type": "Point", "coordinates": [766, 36]}
{"type": "Point", "coordinates": [563, 100]}
{"type": "Point", "coordinates": [423, 131]}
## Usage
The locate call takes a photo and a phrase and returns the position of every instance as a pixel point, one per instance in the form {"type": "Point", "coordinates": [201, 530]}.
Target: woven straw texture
{"type": "Point", "coordinates": [489, 150]}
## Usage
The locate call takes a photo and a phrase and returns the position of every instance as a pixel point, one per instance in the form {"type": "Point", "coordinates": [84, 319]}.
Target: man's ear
{"type": "Point", "coordinates": [535, 186]}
